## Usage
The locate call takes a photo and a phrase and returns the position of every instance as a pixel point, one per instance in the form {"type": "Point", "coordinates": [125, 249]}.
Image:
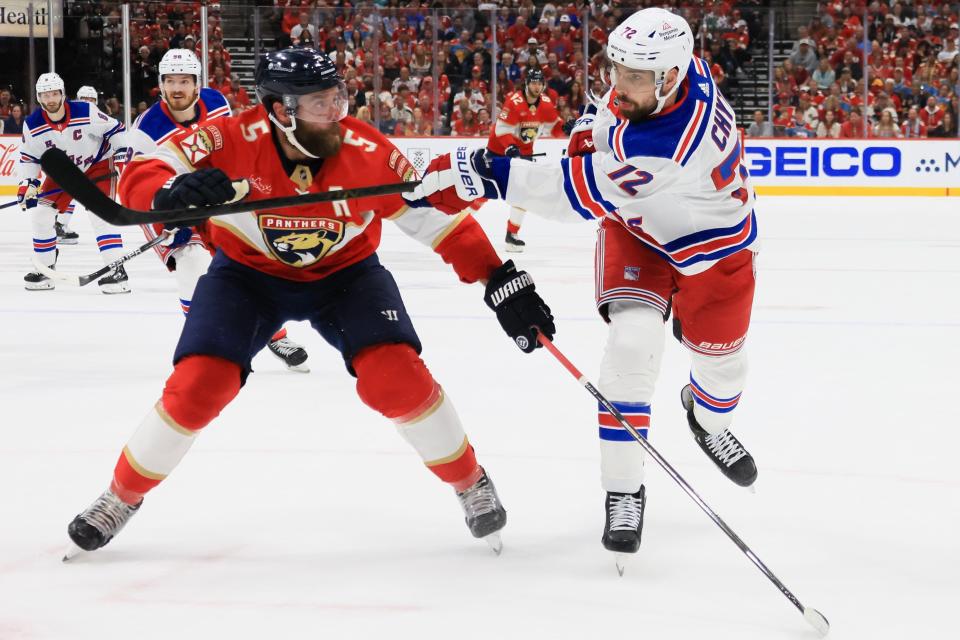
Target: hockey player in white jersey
{"type": "Point", "coordinates": [65, 235]}
{"type": "Point", "coordinates": [94, 141]}
{"type": "Point", "coordinates": [677, 232]}
{"type": "Point", "coordinates": [183, 105]}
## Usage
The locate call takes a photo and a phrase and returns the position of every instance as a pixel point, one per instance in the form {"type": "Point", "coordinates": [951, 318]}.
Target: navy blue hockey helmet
{"type": "Point", "coordinates": [300, 78]}
{"type": "Point", "coordinates": [534, 74]}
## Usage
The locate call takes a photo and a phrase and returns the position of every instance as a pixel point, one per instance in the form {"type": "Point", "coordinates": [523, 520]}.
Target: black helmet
{"type": "Point", "coordinates": [294, 72]}
{"type": "Point", "coordinates": [534, 74]}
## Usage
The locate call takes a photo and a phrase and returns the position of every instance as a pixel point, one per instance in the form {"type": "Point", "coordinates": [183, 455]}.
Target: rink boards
{"type": "Point", "coordinates": [782, 167]}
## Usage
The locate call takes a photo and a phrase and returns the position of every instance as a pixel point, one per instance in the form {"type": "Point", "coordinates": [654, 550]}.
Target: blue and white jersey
{"type": "Point", "coordinates": [675, 180]}
{"type": "Point", "coordinates": [156, 125]}
{"type": "Point", "coordinates": [85, 133]}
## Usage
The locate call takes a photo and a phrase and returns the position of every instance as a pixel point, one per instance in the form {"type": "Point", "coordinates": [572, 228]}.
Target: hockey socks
{"type": "Point", "coordinates": [197, 390]}
{"type": "Point", "coordinates": [393, 380]}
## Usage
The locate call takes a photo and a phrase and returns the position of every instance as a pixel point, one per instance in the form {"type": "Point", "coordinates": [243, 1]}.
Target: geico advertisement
{"type": "Point", "coordinates": [777, 167]}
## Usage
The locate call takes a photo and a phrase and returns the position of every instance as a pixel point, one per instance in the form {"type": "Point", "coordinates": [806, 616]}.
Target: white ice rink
{"type": "Point", "coordinates": [300, 513]}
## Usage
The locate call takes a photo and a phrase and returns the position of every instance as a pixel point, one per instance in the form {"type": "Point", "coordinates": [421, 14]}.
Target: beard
{"type": "Point", "coordinates": [634, 112]}
{"type": "Point", "coordinates": [323, 143]}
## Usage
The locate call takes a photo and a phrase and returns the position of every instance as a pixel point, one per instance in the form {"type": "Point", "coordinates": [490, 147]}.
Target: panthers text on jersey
{"type": "Point", "coordinates": [521, 123]}
{"type": "Point", "coordinates": [308, 242]}
{"type": "Point", "coordinates": [676, 180]}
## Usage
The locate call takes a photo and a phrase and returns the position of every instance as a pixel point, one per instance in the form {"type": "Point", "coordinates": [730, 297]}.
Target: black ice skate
{"type": "Point", "coordinates": [484, 514]}
{"type": "Point", "coordinates": [36, 281]}
{"type": "Point", "coordinates": [513, 244]}
{"type": "Point", "coordinates": [292, 354]}
{"type": "Point", "coordinates": [97, 526]}
{"type": "Point", "coordinates": [624, 524]}
{"type": "Point", "coordinates": [66, 236]}
{"type": "Point", "coordinates": [116, 282]}
{"type": "Point", "coordinates": [724, 449]}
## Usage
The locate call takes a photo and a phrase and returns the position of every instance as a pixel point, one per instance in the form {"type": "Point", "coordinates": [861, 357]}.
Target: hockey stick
{"type": "Point", "coordinates": [80, 281]}
{"type": "Point", "coordinates": [62, 170]}
{"type": "Point", "coordinates": [53, 192]}
{"type": "Point", "coordinates": [811, 615]}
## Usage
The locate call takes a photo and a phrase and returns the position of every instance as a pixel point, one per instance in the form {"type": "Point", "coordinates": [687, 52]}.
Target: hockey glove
{"type": "Point", "coordinates": [200, 188]}
{"type": "Point", "coordinates": [178, 237]}
{"type": "Point", "coordinates": [581, 134]}
{"type": "Point", "coordinates": [519, 308]}
{"type": "Point", "coordinates": [27, 193]}
{"type": "Point", "coordinates": [436, 189]}
{"type": "Point", "coordinates": [513, 151]}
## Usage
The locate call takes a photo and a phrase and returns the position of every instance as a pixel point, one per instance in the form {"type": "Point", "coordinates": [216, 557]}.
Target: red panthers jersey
{"type": "Point", "coordinates": [521, 123]}
{"type": "Point", "coordinates": [307, 242]}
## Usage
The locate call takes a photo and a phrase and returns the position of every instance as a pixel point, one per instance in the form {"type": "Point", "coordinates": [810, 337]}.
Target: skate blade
{"type": "Point", "coordinates": [298, 368]}
{"type": "Point", "coordinates": [72, 552]}
{"type": "Point", "coordinates": [67, 242]}
{"type": "Point", "coordinates": [509, 248]}
{"type": "Point", "coordinates": [495, 542]}
{"type": "Point", "coordinates": [111, 290]}
{"type": "Point", "coordinates": [621, 560]}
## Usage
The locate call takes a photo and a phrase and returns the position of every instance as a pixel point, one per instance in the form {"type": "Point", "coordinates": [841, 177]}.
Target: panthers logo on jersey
{"type": "Point", "coordinates": [300, 242]}
{"type": "Point", "coordinates": [529, 131]}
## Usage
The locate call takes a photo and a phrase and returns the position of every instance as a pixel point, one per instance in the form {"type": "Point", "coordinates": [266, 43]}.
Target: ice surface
{"type": "Point", "coordinates": [301, 514]}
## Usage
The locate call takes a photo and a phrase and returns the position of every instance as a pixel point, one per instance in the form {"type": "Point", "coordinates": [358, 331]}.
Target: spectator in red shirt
{"type": "Point", "coordinates": [931, 115]}
{"type": "Point", "coordinates": [854, 127]}
{"type": "Point", "coordinates": [467, 125]}
{"type": "Point", "coordinates": [220, 82]}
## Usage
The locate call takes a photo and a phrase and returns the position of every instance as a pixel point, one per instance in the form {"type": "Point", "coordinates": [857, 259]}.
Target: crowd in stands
{"type": "Point", "coordinates": [885, 70]}
{"type": "Point", "coordinates": [411, 77]}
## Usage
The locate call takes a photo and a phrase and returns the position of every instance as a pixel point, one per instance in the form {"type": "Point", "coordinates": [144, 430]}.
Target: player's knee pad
{"type": "Point", "coordinates": [192, 261]}
{"type": "Point", "coordinates": [634, 350]}
{"type": "Point", "coordinates": [199, 388]}
{"type": "Point", "coordinates": [392, 379]}
{"type": "Point", "coordinates": [717, 382]}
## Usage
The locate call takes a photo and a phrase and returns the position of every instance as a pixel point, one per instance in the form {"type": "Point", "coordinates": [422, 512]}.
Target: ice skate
{"type": "Point", "coordinates": [624, 525]}
{"type": "Point", "coordinates": [292, 354]}
{"type": "Point", "coordinates": [116, 282]}
{"type": "Point", "coordinates": [513, 244]}
{"type": "Point", "coordinates": [66, 236]}
{"type": "Point", "coordinates": [484, 514]}
{"type": "Point", "coordinates": [36, 281]}
{"type": "Point", "coordinates": [97, 526]}
{"type": "Point", "coordinates": [723, 448]}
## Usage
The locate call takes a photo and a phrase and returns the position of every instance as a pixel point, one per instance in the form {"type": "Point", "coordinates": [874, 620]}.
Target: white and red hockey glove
{"type": "Point", "coordinates": [27, 193]}
{"type": "Point", "coordinates": [456, 181]}
{"type": "Point", "coordinates": [581, 135]}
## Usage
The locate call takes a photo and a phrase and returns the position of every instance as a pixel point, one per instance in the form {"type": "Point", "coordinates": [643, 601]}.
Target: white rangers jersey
{"type": "Point", "coordinates": [156, 125]}
{"type": "Point", "coordinates": [86, 134]}
{"type": "Point", "coordinates": [675, 181]}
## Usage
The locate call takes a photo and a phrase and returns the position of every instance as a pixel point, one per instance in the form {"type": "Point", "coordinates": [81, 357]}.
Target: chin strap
{"type": "Point", "coordinates": [289, 132]}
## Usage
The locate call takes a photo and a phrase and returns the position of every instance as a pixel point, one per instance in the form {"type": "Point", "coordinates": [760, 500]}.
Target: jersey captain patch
{"type": "Point", "coordinates": [300, 242]}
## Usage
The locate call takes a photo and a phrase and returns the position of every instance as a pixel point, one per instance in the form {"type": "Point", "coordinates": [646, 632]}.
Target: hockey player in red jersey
{"type": "Point", "coordinates": [317, 264]}
{"type": "Point", "coordinates": [526, 115]}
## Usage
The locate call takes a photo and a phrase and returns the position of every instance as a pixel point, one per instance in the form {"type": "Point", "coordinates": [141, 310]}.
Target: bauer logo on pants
{"type": "Point", "coordinates": [300, 242]}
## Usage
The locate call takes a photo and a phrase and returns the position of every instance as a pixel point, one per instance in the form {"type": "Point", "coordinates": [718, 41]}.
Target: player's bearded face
{"type": "Point", "coordinates": [51, 101]}
{"type": "Point", "coordinates": [321, 139]}
{"type": "Point", "coordinates": [636, 92]}
{"type": "Point", "coordinates": [534, 89]}
{"type": "Point", "coordinates": [179, 90]}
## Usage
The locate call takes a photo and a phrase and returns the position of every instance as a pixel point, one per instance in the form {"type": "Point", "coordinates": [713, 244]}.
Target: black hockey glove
{"type": "Point", "coordinates": [513, 151]}
{"type": "Point", "coordinates": [200, 188]}
{"type": "Point", "coordinates": [519, 308]}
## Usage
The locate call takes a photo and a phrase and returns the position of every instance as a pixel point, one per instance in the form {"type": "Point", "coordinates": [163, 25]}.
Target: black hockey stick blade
{"type": "Point", "coordinates": [53, 192]}
{"type": "Point", "coordinates": [84, 280]}
{"type": "Point", "coordinates": [65, 173]}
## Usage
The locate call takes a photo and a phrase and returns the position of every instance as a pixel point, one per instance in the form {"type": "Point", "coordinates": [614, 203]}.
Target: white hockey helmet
{"type": "Point", "coordinates": [86, 92]}
{"type": "Point", "coordinates": [49, 82]}
{"type": "Point", "coordinates": [179, 61]}
{"type": "Point", "coordinates": [653, 40]}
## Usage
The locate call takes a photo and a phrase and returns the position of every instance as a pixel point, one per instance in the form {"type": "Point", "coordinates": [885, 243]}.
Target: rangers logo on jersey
{"type": "Point", "coordinates": [300, 242]}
